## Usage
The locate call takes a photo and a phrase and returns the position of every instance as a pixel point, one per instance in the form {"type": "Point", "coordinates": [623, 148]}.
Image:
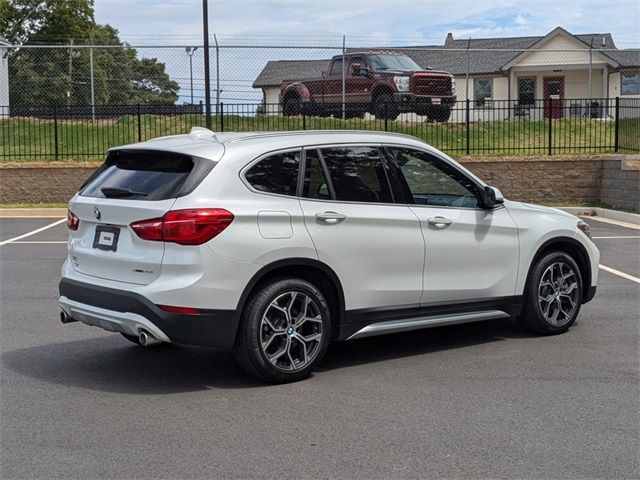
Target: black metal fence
{"type": "Point", "coordinates": [544, 127]}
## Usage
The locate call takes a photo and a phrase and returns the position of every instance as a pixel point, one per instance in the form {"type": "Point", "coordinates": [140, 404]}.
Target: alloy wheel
{"type": "Point", "coordinates": [558, 293]}
{"type": "Point", "coordinates": [291, 331]}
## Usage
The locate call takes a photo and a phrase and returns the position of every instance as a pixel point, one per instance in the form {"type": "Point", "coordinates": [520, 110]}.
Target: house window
{"type": "Point", "coordinates": [482, 90]}
{"type": "Point", "coordinates": [526, 90]}
{"type": "Point", "coordinates": [630, 84]}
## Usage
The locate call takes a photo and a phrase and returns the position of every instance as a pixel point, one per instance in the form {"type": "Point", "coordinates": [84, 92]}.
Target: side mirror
{"type": "Point", "coordinates": [492, 197]}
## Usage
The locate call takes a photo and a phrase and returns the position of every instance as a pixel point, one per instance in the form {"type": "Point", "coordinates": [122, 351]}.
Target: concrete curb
{"type": "Point", "coordinates": [33, 212]}
{"type": "Point", "coordinates": [604, 213]}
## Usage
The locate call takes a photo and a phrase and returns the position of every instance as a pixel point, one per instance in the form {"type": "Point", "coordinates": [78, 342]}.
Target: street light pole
{"type": "Point", "coordinates": [207, 79]}
{"type": "Point", "coordinates": [190, 51]}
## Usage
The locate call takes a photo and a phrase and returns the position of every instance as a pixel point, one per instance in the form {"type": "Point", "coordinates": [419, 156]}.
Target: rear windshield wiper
{"type": "Point", "coordinates": [113, 192]}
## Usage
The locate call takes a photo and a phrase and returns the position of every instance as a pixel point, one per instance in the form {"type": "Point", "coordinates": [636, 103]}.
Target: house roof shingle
{"type": "Point", "coordinates": [276, 71]}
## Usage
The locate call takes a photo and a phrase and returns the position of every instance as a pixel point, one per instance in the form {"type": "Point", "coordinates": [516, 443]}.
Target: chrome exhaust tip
{"type": "Point", "coordinates": [64, 318]}
{"type": "Point", "coordinates": [147, 340]}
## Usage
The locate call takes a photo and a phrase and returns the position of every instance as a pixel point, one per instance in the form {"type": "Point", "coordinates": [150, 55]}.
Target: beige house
{"type": "Point", "coordinates": [557, 75]}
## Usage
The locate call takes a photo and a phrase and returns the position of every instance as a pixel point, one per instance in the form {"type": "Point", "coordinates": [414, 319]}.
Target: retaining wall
{"type": "Point", "coordinates": [613, 180]}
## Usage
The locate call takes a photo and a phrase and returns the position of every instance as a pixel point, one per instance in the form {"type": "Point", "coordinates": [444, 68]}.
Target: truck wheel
{"type": "Point", "coordinates": [438, 113]}
{"type": "Point", "coordinates": [284, 331]}
{"type": "Point", "coordinates": [292, 106]}
{"type": "Point", "coordinates": [384, 107]}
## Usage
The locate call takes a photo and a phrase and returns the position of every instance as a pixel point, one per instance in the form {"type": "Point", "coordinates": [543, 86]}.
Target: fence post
{"type": "Point", "coordinates": [467, 127]}
{"type": "Point", "coordinates": [55, 131]}
{"type": "Point", "coordinates": [139, 123]}
{"type": "Point", "coordinates": [222, 116]}
{"type": "Point", "coordinates": [385, 116]}
{"type": "Point", "coordinates": [304, 119]}
{"type": "Point", "coordinates": [616, 137]}
{"type": "Point", "coordinates": [550, 103]}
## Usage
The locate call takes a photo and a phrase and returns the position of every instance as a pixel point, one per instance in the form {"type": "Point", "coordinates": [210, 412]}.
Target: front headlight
{"type": "Point", "coordinates": [586, 229]}
{"type": "Point", "coordinates": [453, 87]}
{"type": "Point", "coordinates": [402, 83]}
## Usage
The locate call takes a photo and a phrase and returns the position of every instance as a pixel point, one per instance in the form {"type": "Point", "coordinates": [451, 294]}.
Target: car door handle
{"type": "Point", "coordinates": [330, 217]}
{"type": "Point", "coordinates": [439, 221]}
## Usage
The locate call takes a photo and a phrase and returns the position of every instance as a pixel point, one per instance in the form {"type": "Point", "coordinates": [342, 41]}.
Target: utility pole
{"type": "Point", "coordinates": [70, 74]}
{"type": "Point", "coordinates": [93, 90]}
{"type": "Point", "coordinates": [190, 51]}
{"type": "Point", "coordinates": [215, 38]}
{"type": "Point", "coordinates": [344, 77]}
{"type": "Point", "coordinates": [207, 78]}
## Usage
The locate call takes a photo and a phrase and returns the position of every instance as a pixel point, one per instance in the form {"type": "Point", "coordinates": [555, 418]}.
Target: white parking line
{"type": "Point", "coordinates": [616, 238]}
{"type": "Point", "coordinates": [619, 273]}
{"type": "Point", "coordinates": [33, 232]}
{"type": "Point", "coordinates": [635, 226]}
{"type": "Point", "coordinates": [37, 242]}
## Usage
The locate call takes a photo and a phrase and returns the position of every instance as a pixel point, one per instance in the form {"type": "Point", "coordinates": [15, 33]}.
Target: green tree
{"type": "Point", "coordinates": [48, 76]}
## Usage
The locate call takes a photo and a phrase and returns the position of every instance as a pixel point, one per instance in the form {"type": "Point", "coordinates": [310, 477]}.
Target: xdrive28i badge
{"type": "Point", "coordinates": [96, 213]}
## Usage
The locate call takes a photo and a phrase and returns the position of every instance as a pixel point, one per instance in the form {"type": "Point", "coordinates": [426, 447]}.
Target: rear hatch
{"type": "Point", "coordinates": [132, 185]}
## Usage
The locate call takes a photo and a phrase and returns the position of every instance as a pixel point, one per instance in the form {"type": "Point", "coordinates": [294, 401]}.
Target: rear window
{"type": "Point", "coordinates": [146, 175]}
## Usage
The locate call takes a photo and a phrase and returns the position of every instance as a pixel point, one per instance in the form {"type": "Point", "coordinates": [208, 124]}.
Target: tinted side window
{"type": "Point", "coordinates": [357, 174]}
{"type": "Point", "coordinates": [276, 174]}
{"type": "Point", "coordinates": [353, 61]}
{"type": "Point", "coordinates": [315, 183]}
{"type": "Point", "coordinates": [336, 67]}
{"type": "Point", "coordinates": [434, 182]}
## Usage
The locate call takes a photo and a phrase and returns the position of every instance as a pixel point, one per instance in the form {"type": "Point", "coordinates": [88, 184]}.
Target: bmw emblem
{"type": "Point", "coordinates": [96, 213]}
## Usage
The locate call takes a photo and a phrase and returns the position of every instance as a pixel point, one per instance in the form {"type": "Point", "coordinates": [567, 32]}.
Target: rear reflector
{"type": "Point", "coordinates": [72, 220]}
{"type": "Point", "coordinates": [185, 227]}
{"type": "Point", "coordinates": [182, 310]}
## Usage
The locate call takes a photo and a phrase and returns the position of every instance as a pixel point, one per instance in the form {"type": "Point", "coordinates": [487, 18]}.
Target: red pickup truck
{"type": "Point", "coordinates": [384, 84]}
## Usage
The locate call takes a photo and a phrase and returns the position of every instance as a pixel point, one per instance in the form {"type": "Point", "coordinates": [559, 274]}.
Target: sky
{"type": "Point", "coordinates": [365, 23]}
{"type": "Point", "coordinates": [179, 21]}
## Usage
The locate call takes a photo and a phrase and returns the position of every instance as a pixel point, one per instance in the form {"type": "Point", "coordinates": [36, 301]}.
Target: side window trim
{"type": "Point", "coordinates": [386, 168]}
{"type": "Point", "coordinates": [327, 176]}
{"type": "Point", "coordinates": [399, 186]}
{"type": "Point", "coordinates": [325, 173]}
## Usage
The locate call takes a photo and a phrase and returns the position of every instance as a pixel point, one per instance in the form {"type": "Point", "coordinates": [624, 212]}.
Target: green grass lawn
{"type": "Point", "coordinates": [23, 139]}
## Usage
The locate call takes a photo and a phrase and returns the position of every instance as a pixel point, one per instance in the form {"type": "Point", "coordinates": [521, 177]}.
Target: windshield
{"type": "Point", "coordinates": [393, 62]}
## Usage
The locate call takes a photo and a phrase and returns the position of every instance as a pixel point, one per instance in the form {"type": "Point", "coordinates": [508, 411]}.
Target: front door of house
{"type": "Point", "coordinates": [553, 93]}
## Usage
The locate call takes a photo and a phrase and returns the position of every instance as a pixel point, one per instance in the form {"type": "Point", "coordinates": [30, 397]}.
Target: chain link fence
{"type": "Point", "coordinates": [508, 96]}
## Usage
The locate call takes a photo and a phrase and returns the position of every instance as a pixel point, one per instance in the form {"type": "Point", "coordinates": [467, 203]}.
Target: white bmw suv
{"type": "Point", "coordinates": [276, 244]}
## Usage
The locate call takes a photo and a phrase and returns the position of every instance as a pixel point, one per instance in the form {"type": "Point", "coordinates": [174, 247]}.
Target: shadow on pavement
{"type": "Point", "coordinates": [112, 364]}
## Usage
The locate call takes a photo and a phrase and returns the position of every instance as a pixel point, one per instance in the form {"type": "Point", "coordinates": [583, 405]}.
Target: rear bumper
{"type": "Point", "coordinates": [128, 312]}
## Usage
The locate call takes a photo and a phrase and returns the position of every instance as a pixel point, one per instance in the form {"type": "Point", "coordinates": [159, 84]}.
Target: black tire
{"type": "Point", "coordinates": [383, 107]}
{"type": "Point", "coordinates": [292, 106]}
{"type": "Point", "coordinates": [546, 297]}
{"type": "Point", "coordinates": [131, 338]}
{"type": "Point", "coordinates": [267, 303]}
{"type": "Point", "coordinates": [438, 113]}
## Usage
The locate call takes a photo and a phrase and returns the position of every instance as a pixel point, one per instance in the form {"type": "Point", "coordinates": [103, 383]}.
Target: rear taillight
{"type": "Point", "coordinates": [72, 220]}
{"type": "Point", "coordinates": [185, 227]}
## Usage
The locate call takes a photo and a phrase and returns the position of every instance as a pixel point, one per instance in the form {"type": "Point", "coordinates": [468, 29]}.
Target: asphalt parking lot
{"type": "Point", "coordinates": [482, 400]}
